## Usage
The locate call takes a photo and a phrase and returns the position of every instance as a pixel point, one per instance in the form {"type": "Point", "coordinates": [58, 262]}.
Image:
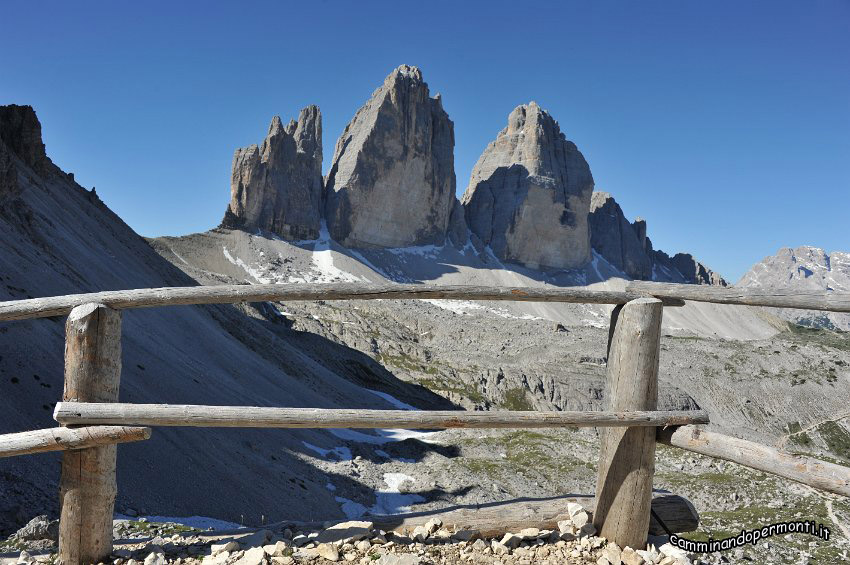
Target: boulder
{"type": "Point", "coordinates": [529, 194]}
{"type": "Point", "coordinates": [39, 528]}
{"type": "Point", "coordinates": [392, 180]}
{"type": "Point", "coordinates": [278, 187]}
{"type": "Point", "coordinates": [621, 243]}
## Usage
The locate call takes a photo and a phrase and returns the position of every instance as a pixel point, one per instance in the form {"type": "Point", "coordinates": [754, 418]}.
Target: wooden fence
{"type": "Point", "coordinates": [94, 422]}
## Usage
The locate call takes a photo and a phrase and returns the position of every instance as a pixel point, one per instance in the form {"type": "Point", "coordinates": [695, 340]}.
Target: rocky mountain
{"type": "Point", "coordinates": [58, 238]}
{"type": "Point", "coordinates": [804, 269]}
{"type": "Point", "coordinates": [529, 194]}
{"type": "Point", "coordinates": [626, 246]}
{"type": "Point", "coordinates": [278, 187]}
{"type": "Point", "coordinates": [392, 180]}
{"type": "Point", "coordinates": [747, 369]}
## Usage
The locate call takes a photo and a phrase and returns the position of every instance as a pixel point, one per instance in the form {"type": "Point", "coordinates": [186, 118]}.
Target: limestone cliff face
{"type": "Point", "coordinates": [529, 194]}
{"type": "Point", "coordinates": [392, 180]}
{"type": "Point", "coordinates": [278, 186]}
{"type": "Point", "coordinates": [20, 142]}
{"type": "Point", "coordinates": [804, 269]}
{"type": "Point", "coordinates": [622, 243]}
{"type": "Point", "coordinates": [20, 131]}
{"type": "Point", "coordinates": [625, 245]}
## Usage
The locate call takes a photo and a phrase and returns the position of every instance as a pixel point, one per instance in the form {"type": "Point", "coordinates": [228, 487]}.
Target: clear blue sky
{"type": "Point", "coordinates": [726, 124]}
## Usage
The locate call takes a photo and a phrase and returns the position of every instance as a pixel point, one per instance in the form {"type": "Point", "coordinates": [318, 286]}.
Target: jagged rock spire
{"type": "Point", "coordinates": [278, 187]}
{"type": "Point", "coordinates": [392, 180]}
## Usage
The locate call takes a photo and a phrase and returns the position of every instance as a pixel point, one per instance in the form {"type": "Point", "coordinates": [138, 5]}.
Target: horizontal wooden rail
{"type": "Point", "coordinates": [228, 294]}
{"type": "Point", "coordinates": [494, 519]}
{"type": "Point", "coordinates": [78, 413]}
{"type": "Point", "coordinates": [778, 298]}
{"type": "Point", "coordinates": [809, 471]}
{"type": "Point", "coordinates": [63, 439]}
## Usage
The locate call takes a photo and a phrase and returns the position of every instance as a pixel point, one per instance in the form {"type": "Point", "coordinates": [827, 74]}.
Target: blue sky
{"type": "Point", "coordinates": [725, 124]}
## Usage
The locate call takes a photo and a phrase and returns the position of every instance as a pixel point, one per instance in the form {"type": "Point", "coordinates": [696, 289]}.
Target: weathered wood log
{"type": "Point", "coordinates": [496, 518]}
{"type": "Point", "coordinates": [87, 484]}
{"type": "Point", "coordinates": [81, 413]}
{"type": "Point", "coordinates": [828, 301]}
{"type": "Point", "coordinates": [64, 439]}
{"type": "Point", "coordinates": [228, 294]}
{"type": "Point", "coordinates": [627, 455]}
{"type": "Point", "coordinates": [809, 471]}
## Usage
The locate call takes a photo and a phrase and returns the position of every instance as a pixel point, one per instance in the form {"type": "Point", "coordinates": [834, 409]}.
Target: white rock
{"type": "Point", "coordinates": [579, 519]}
{"type": "Point", "coordinates": [573, 508]}
{"type": "Point", "coordinates": [253, 556]}
{"type": "Point", "coordinates": [421, 533]}
{"type": "Point", "coordinates": [155, 559]}
{"type": "Point", "coordinates": [433, 525]}
{"type": "Point", "coordinates": [466, 535]}
{"type": "Point", "coordinates": [226, 546]}
{"type": "Point", "coordinates": [328, 551]}
{"type": "Point", "coordinates": [350, 532]}
{"type": "Point", "coordinates": [511, 540]}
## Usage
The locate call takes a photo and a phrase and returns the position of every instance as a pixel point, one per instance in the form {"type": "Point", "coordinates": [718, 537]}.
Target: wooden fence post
{"type": "Point", "coordinates": [87, 486]}
{"type": "Point", "coordinates": [627, 455]}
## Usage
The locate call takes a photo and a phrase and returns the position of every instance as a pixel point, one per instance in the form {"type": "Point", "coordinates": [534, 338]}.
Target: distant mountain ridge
{"type": "Point", "coordinates": [804, 268]}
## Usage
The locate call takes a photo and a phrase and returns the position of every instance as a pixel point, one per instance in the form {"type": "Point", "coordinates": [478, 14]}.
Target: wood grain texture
{"type": "Point", "coordinates": [497, 518]}
{"type": "Point", "coordinates": [193, 415]}
{"type": "Point", "coordinates": [64, 439]}
{"type": "Point", "coordinates": [87, 486]}
{"type": "Point", "coordinates": [627, 455]}
{"type": "Point", "coordinates": [826, 301]}
{"type": "Point", "coordinates": [809, 471]}
{"type": "Point", "coordinates": [227, 294]}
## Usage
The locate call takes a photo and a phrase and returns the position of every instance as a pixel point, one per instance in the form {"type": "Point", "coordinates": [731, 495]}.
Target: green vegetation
{"type": "Point", "coordinates": [407, 362]}
{"type": "Point", "coordinates": [441, 383]}
{"type": "Point", "coordinates": [836, 438]}
{"type": "Point", "coordinates": [529, 453]}
{"type": "Point", "coordinates": [826, 339]}
{"type": "Point", "coordinates": [516, 399]}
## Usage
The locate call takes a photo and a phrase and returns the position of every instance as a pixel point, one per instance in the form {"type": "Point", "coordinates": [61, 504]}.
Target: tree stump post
{"type": "Point", "coordinates": [87, 486]}
{"type": "Point", "coordinates": [627, 455]}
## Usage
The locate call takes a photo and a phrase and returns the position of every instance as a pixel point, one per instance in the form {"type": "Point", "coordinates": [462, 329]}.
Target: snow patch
{"type": "Point", "coordinates": [341, 452]}
{"type": "Point", "coordinates": [388, 500]}
{"type": "Point", "coordinates": [393, 400]}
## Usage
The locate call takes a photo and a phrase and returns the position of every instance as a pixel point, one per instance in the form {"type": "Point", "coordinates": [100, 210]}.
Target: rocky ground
{"type": "Point", "coordinates": [140, 541]}
{"type": "Point", "coordinates": [506, 465]}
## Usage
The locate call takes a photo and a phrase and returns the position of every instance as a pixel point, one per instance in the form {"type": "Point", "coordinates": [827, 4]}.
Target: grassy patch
{"type": "Point", "coordinates": [516, 399]}
{"type": "Point", "coordinates": [440, 383]}
{"type": "Point", "coordinates": [836, 438]}
{"type": "Point", "coordinates": [833, 339]}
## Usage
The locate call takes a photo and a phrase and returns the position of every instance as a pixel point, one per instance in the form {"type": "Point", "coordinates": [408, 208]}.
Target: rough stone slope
{"type": "Point", "coordinates": [278, 187]}
{"type": "Point", "coordinates": [529, 194]}
{"type": "Point", "coordinates": [392, 180]}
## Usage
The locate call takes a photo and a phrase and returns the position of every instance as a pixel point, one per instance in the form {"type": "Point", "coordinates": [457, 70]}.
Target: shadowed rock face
{"type": "Point", "coordinates": [625, 245]}
{"type": "Point", "coordinates": [20, 131]}
{"type": "Point", "coordinates": [278, 187]}
{"type": "Point", "coordinates": [622, 243]}
{"type": "Point", "coordinates": [392, 181]}
{"type": "Point", "coordinates": [529, 194]}
{"type": "Point", "coordinates": [20, 139]}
